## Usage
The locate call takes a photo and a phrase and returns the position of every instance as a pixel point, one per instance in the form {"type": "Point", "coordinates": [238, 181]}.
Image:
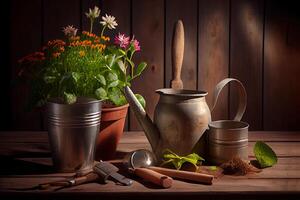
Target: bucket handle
{"type": "Point", "coordinates": [242, 96]}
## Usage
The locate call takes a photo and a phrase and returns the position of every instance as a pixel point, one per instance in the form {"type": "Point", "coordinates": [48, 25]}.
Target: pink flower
{"type": "Point", "coordinates": [122, 40]}
{"type": "Point", "coordinates": [136, 45]}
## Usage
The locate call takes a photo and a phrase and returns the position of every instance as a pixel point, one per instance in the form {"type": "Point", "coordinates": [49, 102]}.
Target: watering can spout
{"type": "Point", "coordinates": [144, 120]}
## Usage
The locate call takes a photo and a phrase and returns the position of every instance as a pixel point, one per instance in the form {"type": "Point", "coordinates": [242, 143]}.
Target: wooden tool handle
{"type": "Point", "coordinates": [192, 176]}
{"type": "Point", "coordinates": [85, 179]}
{"type": "Point", "coordinates": [177, 54]}
{"type": "Point", "coordinates": [154, 177]}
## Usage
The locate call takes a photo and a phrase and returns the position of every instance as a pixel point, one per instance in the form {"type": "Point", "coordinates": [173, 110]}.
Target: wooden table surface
{"type": "Point", "coordinates": [25, 162]}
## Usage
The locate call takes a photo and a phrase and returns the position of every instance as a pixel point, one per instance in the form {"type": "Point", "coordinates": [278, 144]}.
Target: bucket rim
{"type": "Point", "coordinates": [80, 101]}
{"type": "Point", "coordinates": [213, 124]}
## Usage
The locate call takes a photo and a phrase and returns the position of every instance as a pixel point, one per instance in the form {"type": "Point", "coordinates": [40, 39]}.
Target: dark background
{"type": "Point", "coordinates": [256, 41]}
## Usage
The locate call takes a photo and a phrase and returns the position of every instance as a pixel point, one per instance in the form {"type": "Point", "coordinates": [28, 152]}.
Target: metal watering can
{"type": "Point", "coordinates": [181, 117]}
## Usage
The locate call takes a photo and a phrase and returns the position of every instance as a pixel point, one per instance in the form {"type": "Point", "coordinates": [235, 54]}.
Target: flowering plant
{"type": "Point", "coordinates": [83, 64]}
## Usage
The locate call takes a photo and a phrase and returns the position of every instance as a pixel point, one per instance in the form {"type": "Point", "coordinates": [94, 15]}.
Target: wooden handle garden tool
{"type": "Point", "coordinates": [177, 55]}
{"type": "Point", "coordinates": [186, 175]}
{"type": "Point", "coordinates": [154, 177]}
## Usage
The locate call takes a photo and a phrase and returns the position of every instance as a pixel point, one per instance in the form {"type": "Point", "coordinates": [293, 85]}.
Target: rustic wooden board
{"type": "Point", "coordinates": [58, 14]}
{"type": "Point", "coordinates": [148, 27]}
{"type": "Point", "coordinates": [213, 46]}
{"type": "Point", "coordinates": [25, 38]}
{"type": "Point", "coordinates": [139, 137]}
{"type": "Point", "coordinates": [281, 73]}
{"type": "Point", "coordinates": [187, 12]}
{"type": "Point", "coordinates": [246, 57]}
{"type": "Point", "coordinates": [5, 81]}
{"type": "Point", "coordinates": [281, 179]}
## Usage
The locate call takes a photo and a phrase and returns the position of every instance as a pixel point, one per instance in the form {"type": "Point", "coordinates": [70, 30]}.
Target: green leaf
{"type": "Point", "coordinates": [264, 154]}
{"type": "Point", "coordinates": [141, 67]}
{"type": "Point", "coordinates": [178, 161]}
{"type": "Point", "coordinates": [101, 79]}
{"type": "Point", "coordinates": [117, 97]}
{"type": "Point", "coordinates": [111, 77]}
{"type": "Point", "coordinates": [111, 60]}
{"type": "Point", "coordinates": [122, 52]}
{"type": "Point", "coordinates": [75, 76]}
{"type": "Point", "coordinates": [213, 168]}
{"type": "Point", "coordinates": [69, 98]}
{"type": "Point", "coordinates": [141, 99]}
{"type": "Point", "coordinates": [101, 93]}
{"type": "Point", "coordinates": [122, 66]}
{"type": "Point", "coordinates": [113, 84]}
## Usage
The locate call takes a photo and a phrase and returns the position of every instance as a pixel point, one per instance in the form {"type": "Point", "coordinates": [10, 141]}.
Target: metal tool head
{"type": "Point", "coordinates": [106, 170]}
{"type": "Point", "coordinates": [139, 158]}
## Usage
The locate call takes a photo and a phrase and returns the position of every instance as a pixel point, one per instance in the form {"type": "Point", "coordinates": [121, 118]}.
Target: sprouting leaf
{"type": "Point", "coordinates": [140, 68]}
{"type": "Point", "coordinates": [101, 93]}
{"type": "Point", "coordinates": [69, 98]}
{"type": "Point", "coordinates": [141, 99]}
{"type": "Point", "coordinates": [101, 79]}
{"type": "Point", "coordinates": [264, 154]}
{"type": "Point", "coordinates": [178, 161]}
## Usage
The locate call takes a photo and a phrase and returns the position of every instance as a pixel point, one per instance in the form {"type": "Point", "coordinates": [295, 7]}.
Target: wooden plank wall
{"type": "Point", "coordinates": [255, 41]}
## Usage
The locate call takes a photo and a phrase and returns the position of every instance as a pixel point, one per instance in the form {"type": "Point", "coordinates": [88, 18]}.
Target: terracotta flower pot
{"type": "Point", "coordinates": [111, 130]}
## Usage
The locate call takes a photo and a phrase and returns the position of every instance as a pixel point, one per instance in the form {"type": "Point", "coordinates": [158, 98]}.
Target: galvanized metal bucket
{"type": "Point", "coordinates": [73, 130]}
{"type": "Point", "coordinates": [227, 139]}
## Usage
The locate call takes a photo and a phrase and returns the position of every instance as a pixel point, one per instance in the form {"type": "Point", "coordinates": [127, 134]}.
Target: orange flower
{"type": "Point", "coordinates": [81, 53]}
{"type": "Point", "coordinates": [56, 43]}
{"type": "Point", "coordinates": [105, 38]}
{"type": "Point", "coordinates": [56, 54]}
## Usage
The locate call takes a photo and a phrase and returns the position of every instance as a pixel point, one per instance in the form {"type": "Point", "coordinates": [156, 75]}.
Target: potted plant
{"type": "Point", "coordinates": [86, 66]}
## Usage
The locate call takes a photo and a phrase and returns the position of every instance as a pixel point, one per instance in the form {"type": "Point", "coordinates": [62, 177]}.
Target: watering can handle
{"type": "Point", "coordinates": [242, 96]}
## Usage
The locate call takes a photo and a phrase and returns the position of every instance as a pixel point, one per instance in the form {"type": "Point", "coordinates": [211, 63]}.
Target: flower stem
{"type": "Point", "coordinates": [91, 27]}
{"type": "Point", "coordinates": [103, 30]}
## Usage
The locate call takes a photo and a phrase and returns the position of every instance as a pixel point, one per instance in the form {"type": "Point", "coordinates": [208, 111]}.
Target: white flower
{"type": "Point", "coordinates": [93, 13]}
{"type": "Point", "coordinates": [109, 21]}
{"type": "Point", "coordinates": [70, 31]}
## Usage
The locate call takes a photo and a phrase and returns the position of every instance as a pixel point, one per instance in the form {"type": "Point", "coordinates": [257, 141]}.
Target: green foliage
{"type": "Point", "coordinates": [178, 161]}
{"type": "Point", "coordinates": [264, 154]}
{"type": "Point", "coordinates": [81, 65]}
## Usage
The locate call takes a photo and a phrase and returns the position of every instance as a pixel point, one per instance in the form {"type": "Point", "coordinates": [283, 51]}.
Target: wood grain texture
{"type": "Point", "coordinates": [148, 27]}
{"type": "Point", "coordinates": [31, 165]}
{"type": "Point", "coordinates": [59, 14]}
{"type": "Point", "coordinates": [246, 47]}
{"type": "Point", "coordinates": [25, 38]}
{"type": "Point", "coordinates": [187, 12]}
{"type": "Point", "coordinates": [213, 46]}
{"type": "Point", "coordinates": [5, 81]}
{"type": "Point", "coordinates": [281, 73]}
